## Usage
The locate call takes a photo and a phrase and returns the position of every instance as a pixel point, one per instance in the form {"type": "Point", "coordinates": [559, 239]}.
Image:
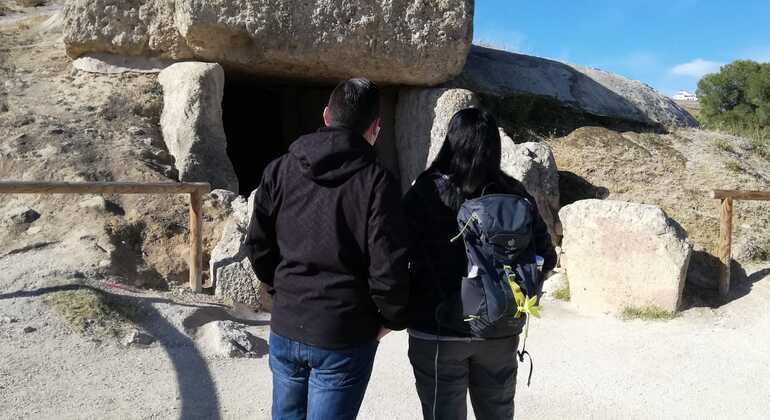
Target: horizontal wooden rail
{"type": "Point", "coordinates": [741, 195]}
{"type": "Point", "coordinates": [726, 229]}
{"type": "Point", "coordinates": [13, 187]}
{"type": "Point", "coordinates": [194, 189]}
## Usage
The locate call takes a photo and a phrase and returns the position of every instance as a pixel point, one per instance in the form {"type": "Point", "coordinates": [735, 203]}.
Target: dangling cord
{"type": "Point", "coordinates": [467, 224]}
{"type": "Point", "coordinates": [525, 352]}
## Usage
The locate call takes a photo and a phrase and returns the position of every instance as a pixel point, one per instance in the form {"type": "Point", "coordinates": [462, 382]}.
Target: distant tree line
{"type": "Point", "coordinates": [738, 97]}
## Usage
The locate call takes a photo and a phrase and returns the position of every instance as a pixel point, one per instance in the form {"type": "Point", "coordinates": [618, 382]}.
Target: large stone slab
{"type": "Point", "coordinates": [230, 266]}
{"type": "Point", "coordinates": [192, 123]}
{"type": "Point", "coordinates": [505, 74]}
{"type": "Point", "coordinates": [619, 254]}
{"type": "Point", "coordinates": [534, 166]}
{"type": "Point", "coordinates": [422, 119]}
{"type": "Point", "coordinates": [393, 41]}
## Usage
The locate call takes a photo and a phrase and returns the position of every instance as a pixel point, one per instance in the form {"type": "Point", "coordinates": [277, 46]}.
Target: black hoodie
{"type": "Point", "coordinates": [328, 235]}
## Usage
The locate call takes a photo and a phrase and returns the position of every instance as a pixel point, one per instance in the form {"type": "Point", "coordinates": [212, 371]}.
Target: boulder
{"type": "Point", "coordinates": [422, 118]}
{"type": "Point", "coordinates": [227, 339]}
{"type": "Point", "coordinates": [192, 123]}
{"type": "Point", "coordinates": [231, 272]}
{"type": "Point", "coordinates": [504, 74]}
{"type": "Point", "coordinates": [23, 215]}
{"type": "Point", "coordinates": [392, 41]}
{"type": "Point", "coordinates": [619, 254]}
{"type": "Point", "coordinates": [137, 338]}
{"type": "Point", "coordinates": [534, 166]}
{"type": "Point", "coordinates": [30, 3]}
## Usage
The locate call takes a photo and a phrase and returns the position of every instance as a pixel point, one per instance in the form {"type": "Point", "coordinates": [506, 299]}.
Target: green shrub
{"type": "Point", "coordinates": [737, 101]}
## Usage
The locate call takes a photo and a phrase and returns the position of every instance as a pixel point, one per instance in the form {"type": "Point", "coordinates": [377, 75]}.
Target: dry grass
{"type": "Point", "coordinates": [92, 312]}
{"type": "Point", "coordinates": [562, 293]}
{"type": "Point", "coordinates": [647, 313]}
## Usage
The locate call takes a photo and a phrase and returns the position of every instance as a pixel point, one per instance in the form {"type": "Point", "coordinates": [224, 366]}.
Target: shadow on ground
{"type": "Point", "coordinates": [197, 390]}
{"type": "Point", "coordinates": [701, 290]}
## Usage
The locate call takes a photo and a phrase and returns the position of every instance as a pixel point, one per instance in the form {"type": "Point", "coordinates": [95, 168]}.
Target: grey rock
{"type": "Point", "coordinates": [422, 118]}
{"type": "Point", "coordinates": [137, 338]}
{"type": "Point", "coordinates": [226, 339]}
{"type": "Point", "coordinates": [503, 74]}
{"type": "Point", "coordinates": [393, 41]}
{"type": "Point", "coordinates": [97, 203]}
{"type": "Point", "coordinates": [534, 166]}
{"type": "Point", "coordinates": [192, 123]}
{"type": "Point", "coordinates": [136, 131]}
{"type": "Point", "coordinates": [620, 254]}
{"type": "Point", "coordinates": [23, 215]}
{"type": "Point", "coordinates": [232, 275]}
{"type": "Point", "coordinates": [8, 320]}
{"type": "Point", "coordinates": [29, 329]}
{"type": "Point", "coordinates": [30, 3]}
{"type": "Point", "coordinates": [117, 64]}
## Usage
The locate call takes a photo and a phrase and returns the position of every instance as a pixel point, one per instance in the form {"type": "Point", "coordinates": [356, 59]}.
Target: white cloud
{"type": "Point", "coordinates": [696, 68]}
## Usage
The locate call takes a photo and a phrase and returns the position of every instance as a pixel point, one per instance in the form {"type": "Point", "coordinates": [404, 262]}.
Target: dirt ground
{"type": "Point", "coordinates": [710, 362]}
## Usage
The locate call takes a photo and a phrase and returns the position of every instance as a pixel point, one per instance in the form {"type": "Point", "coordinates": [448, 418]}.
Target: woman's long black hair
{"type": "Point", "coordinates": [470, 156]}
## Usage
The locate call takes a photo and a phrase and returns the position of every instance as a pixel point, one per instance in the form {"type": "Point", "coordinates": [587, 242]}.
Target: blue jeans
{"type": "Point", "coordinates": [318, 384]}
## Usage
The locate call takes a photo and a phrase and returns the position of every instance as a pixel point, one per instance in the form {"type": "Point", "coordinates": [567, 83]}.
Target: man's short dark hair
{"type": "Point", "coordinates": [354, 104]}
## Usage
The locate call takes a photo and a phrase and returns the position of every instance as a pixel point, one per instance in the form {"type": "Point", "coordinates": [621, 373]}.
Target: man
{"type": "Point", "coordinates": [327, 234]}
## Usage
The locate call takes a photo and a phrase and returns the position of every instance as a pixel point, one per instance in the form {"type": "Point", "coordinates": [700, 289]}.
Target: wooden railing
{"type": "Point", "coordinates": [726, 229]}
{"type": "Point", "coordinates": [195, 190]}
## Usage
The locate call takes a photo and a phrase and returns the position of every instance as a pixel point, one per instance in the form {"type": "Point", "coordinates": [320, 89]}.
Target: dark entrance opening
{"type": "Point", "coordinates": [262, 119]}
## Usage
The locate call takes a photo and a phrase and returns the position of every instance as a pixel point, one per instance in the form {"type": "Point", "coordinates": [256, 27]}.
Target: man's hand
{"type": "Point", "coordinates": [383, 332]}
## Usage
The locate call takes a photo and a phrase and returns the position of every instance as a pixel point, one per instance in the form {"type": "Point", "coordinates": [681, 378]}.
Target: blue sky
{"type": "Point", "coordinates": [668, 44]}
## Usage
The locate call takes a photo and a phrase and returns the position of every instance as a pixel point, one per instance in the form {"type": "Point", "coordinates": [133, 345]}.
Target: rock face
{"type": "Point", "coordinates": [422, 117]}
{"type": "Point", "coordinates": [620, 254]}
{"type": "Point", "coordinates": [503, 74]}
{"type": "Point", "coordinates": [192, 123]}
{"type": "Point", "coordinates": [227, 339]}
{"type": "Point", "coordinates": [398, 42]}
{"type": "Point", "coordinates": [534, 166]}
{"type": "Point", "coordinates": [231, 271]}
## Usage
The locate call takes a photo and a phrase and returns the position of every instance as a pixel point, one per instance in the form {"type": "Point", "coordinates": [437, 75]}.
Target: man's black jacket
{"type": "Point", "coordinates": [328, 235]}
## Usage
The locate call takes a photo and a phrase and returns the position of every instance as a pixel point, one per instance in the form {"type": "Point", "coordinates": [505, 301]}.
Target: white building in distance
{"type": "Point", "coordinates": [685, 96]}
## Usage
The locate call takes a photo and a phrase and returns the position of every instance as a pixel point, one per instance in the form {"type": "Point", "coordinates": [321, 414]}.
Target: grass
{"type": "Point", "coordinates": [93, 312]}
{"type": "Point", "coordinates": [758, 136]}
{"type": "Point", "coordinates": [647, 313]}
{"type": "Point", "coordinates": [724, 145]}
{"type": "Point", "coordinates": [562, 293]}
{"type": "Point", "coordinates": [734, 166]}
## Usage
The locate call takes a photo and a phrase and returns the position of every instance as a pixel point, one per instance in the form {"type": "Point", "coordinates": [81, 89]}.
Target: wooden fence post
{"type": "Point", "coordinates": [196, 241]}
{"type": "Point", "coordinates": [725, 244]}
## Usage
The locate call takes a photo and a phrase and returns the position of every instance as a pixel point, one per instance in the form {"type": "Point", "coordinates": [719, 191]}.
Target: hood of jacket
{"type": "Point", "coordinates": [332, 154]}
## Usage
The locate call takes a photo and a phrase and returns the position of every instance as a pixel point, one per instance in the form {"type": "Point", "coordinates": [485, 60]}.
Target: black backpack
{"type": "Point", "coordinates": [503, 284]}
{"type": "Point", "coordinates": [497, 231]}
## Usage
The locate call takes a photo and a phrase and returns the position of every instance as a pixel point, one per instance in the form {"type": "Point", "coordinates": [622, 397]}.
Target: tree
{"type": "Point", "coordinates": [738, 96]}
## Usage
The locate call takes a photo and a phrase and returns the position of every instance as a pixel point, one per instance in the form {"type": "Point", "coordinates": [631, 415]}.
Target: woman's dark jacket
{"type": "Point", "coordinates": [438, 265]}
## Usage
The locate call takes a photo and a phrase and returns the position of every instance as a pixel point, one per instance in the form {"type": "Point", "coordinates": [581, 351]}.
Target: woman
{"type": "Point", "coordinates": [447, 360]}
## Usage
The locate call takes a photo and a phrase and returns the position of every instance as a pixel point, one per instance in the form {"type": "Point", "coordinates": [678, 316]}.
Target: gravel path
{"type": "Point", "coordinates": [708, 363]}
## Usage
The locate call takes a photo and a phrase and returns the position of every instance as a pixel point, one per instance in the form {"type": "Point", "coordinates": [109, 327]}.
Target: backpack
{"type": "Point", "coordinates": [504, 283]}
